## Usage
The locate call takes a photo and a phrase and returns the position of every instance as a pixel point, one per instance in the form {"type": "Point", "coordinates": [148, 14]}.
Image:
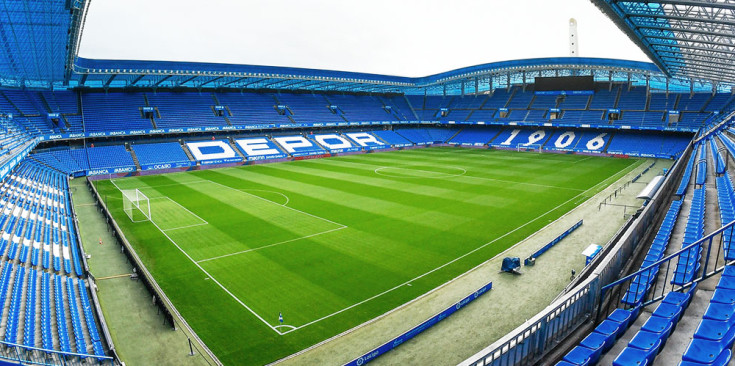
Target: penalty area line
{"type": "Point", "coordinates": [275, 203]}
{"type": "Point", "coordinates": [209, 275]}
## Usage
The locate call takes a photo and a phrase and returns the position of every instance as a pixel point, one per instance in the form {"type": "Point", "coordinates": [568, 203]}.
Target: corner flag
{"type": "Point", "coordinates": [280, 317]}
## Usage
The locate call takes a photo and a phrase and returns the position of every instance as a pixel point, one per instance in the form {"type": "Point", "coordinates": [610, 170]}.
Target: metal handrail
{"type": "Point", "coordinates": [25, 355]}
{"type": "Point", "coordinates": [709, 239]}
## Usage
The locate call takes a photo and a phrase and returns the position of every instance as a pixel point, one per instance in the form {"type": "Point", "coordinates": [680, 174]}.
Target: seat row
{"type": "Point", "coordinates": [715, 334]}
{"type": "Point", "coordinates": [641, 283]}
{"type": "Point", "coordinates": [652, 336]}
{"type": "Point", "coordinates": [687, 264]}
{"type": "Point", "coordinates": [687, 176]}
{"type": "Point", "coordinates": [702, 165]}
{"type": "Point", "coordinates": [720, 165]}
{"type": "Point", "coordinates": [726, 200]}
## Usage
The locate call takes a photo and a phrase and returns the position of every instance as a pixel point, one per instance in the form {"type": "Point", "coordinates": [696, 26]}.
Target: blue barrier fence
{"type": "Point", "coordinates": [181, 164]}
{"type": "Point", "coordinates": [395, 342]}
{"type": "Point", "coordinates": [552, 243]}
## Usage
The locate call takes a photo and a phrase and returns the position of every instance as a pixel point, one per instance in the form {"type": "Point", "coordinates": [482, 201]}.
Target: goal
{"type": "Point", "coordinates": [136, 205]}
{"type": "Point", "coordinates": [529, 147]}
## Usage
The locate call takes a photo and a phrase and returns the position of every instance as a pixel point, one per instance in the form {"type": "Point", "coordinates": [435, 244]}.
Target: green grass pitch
{"type": "Point", "coordinates": [331, 243]}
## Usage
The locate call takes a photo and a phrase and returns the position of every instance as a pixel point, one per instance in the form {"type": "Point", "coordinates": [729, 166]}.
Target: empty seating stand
{"type": "Point", "coordinates": [35, 216]}
{"type": "Point", "coordinates": [651, 338]}
{"type": "Point", "coordinates": [688, 264]}
{"type": "Point", "coordinates": [640, 284]}
{"type": "Point", "coordinates": [160, 153]}
{"type": "Point", "coordinates": [715, 334]}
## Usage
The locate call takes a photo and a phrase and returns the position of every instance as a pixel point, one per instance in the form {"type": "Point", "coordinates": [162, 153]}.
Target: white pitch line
{"type": "Point", "coordinates": [458, 258]}
{"type": "Point", "coordinates": [186, 227]}
{"type": "Point", "coordinates": [207, 273]}
{"type": "Point", "coordinates": [524, 183]}
{"type": "Point", "coordinates": [170, 185]}
{"type": "Point", "coordinates": [267, 200]}
{"type": "Point", "coordinates": [270, 245]}
{"type": "Point", "coordinates": [285, 326]}
{"type": "Point", "coordinates": [265, 190]}
{"type": "Point", "coordinates": [627, 170]}
{"type": "Point", "coordinates": [195, 215]}
{"type": "Point", "coordinates": [580, 160]}
{"type": "Point", "coordinates": [377, 171]}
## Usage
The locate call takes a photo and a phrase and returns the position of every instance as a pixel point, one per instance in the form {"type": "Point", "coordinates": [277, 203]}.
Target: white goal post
{"type": "Point", "coordinates": [136, 205]}
{"type": "Point", "coordinates": [529, 147]}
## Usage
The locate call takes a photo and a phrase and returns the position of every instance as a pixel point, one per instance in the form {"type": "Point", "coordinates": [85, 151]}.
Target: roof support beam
{"type": "Point", "coordinates": [677, 41]}
{"type": "Point", "coordinates": [679, 2]}
{"type": "Point", "coordinates": [696, 62]}
{"type": "Point", "coordinates": [109, 80]}
{"type": "Point", "coordinates": [700, 73]}
{"type": "Point", "coordinates": [683, 18]}
{"type": "Point", "coordinates": [180, 83]}
{"type": "Point", "coordinates": [689, 55]}
{"type": "Point", "coordinates": [252, 82]}
{"type": "Point", "coordinates": [232, 81]}
{"type": "Point", "coordinates": [157, 83]}
{"type": "Point", "coordinates": [693, 47]}
{"type": "Point", "coordinates": [210, 80]}
{"type": "Point", "coordinates": [295, 83]}
{"type": "Point", "coordinates": [684, 30]}
{"type": "Point", "coordinates": [136, 80]}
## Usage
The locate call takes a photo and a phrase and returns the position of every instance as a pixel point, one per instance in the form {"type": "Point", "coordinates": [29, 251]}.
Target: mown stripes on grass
{"type": "Point", "coordinates": [348, 238]}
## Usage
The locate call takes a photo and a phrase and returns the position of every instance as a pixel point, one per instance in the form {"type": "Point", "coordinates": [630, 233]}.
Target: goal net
{"type": "Point", "coordinates": [136, 205]}
{"type": "Point", "coordinates": [530, 147]}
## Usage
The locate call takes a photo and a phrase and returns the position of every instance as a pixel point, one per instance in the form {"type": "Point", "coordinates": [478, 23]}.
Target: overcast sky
{"type": "Point", "coordinates": [394, 37]}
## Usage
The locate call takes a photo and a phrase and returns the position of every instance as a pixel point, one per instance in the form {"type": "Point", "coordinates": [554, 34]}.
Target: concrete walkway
{"type": "Point", "coordinates": [138, 330]}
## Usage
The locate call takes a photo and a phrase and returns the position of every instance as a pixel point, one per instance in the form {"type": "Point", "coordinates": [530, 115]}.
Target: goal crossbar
{"type": "Point", "coordinates": [528, 147]}
{"type": "Point", "coordinates": [136, 201]}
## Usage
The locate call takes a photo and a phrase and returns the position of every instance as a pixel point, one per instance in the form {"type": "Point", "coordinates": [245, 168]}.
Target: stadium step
{"type": "Point", "coordinates": [132, 153]}
{"type": "Point", "coordinates": [46, 105]}
{"type": "Point", "coordinates": [313, 141]}
{"type": "Point", "coordinates": [412, 109]}
{"type": "Point", "coordinates": [617, 97]}
{"type": "Point", "coordinates": [607, 144]}
{"type": "Point", "coordinates": [22, 308]}
{"type": "Point", "coordinates": [67, 125]}
{"type": "Point", "coordinates": [186, 150]}
{"type": "Point", "coordinates": [679, 339]}
{"type": "Point", "coordinates": [455, 134]}
{"type": "Point", "coordinates": [82, 321]}
{"type": "Point", "coordinates": [11, 103]}
{"type": "Point", "coordinates": [232, 144]}
{"type": "Point", "coordinates": [510, 97]}
{"type": "Point", "coordinates": [227, 120]}
{"type": "Point", "coordinates": [379, 139]}
{"type": "Point", "coordinates": [5, 306]}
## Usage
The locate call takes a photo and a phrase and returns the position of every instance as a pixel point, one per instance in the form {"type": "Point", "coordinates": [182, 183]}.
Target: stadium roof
{"type": "Point", "coordinates": [39, 40]}
{"type": "Point", "coordinates": [469, 80]}
{"type": "Point", "coordinates": [685, 38]}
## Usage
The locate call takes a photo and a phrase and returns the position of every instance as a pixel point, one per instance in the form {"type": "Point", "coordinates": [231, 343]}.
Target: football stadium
{"type": "Point", "coordinates": [539, 211]}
